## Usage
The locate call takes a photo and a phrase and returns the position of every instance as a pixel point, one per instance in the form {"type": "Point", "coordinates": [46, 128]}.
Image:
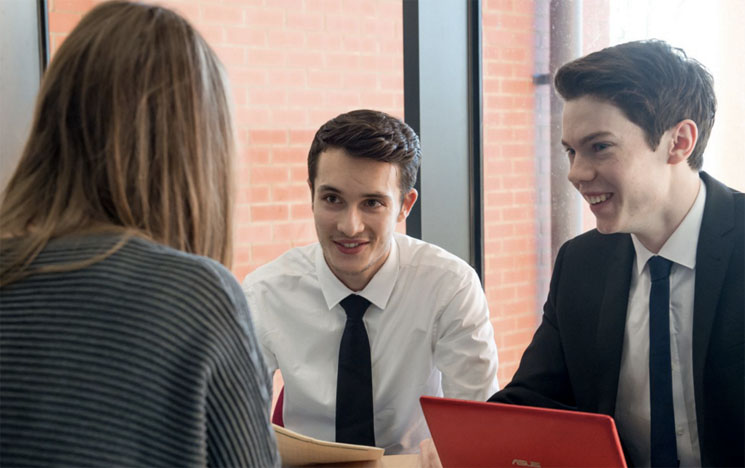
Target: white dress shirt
{"type": "Point", "coordinates": [428, 325]}
{"type": "Point", "coordinates": [632, 403]}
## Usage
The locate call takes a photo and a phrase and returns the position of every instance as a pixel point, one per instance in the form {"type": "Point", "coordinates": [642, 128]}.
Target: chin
{"type": "Point", "coordinates": [350, 267]}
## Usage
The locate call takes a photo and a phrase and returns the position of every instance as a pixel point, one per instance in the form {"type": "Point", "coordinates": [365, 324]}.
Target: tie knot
{"type": "Point", "coordinates": [355, 306]}
{"type": "Point", "coordinates": [659, 268]}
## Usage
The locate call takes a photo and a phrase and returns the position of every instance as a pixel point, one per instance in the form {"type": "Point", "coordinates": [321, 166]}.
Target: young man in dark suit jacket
{"type": "Point", "coordinates": [636, 120]}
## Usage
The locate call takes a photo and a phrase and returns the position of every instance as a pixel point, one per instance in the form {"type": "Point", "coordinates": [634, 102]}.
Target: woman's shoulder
{"type": "Point", "coordinates": [148, 270]}
{"type": "Point", "coordinates": [202, 275]}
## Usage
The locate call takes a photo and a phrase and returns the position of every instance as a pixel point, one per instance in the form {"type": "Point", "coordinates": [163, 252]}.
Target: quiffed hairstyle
{"type": "Point", "coordinates": [373, 135]}
{"type": "Point", "coordinates": [653, 84]}
{"type": "Point", "coordinates": [131, 133]}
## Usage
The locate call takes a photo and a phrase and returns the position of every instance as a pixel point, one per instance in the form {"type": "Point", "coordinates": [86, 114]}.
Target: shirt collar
{"type": "Point", "coordinates": [680, 247]}
{"type": "Point", "coordinates": [377, 291]}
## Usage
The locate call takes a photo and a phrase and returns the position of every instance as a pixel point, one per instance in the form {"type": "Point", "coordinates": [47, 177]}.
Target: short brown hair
{"type": "Point", "coordinates": [653, 84]}
{"type": "Point", "coordinates": [132, 132]}
{"type": "Point", "coordinates": [373, 135]}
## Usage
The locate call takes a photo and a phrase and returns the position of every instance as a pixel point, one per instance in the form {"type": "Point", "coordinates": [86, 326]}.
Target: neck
{"type": "Point", "coordinates": [355, 283]}
{"type": "Point", "coordinates": [680, 198]}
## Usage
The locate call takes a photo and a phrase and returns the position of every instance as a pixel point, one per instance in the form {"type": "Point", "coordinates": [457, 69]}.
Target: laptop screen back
{"type": "Point", "coordinates": [478, 434]}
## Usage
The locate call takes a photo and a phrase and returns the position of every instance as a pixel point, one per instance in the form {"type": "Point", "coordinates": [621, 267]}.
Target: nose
{"type": "Point", "coordinates": [580, 170]}
{"type": "Point", "coordinates": [350, 222]}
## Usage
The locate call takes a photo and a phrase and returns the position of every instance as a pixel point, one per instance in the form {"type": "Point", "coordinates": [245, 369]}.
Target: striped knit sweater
{"type": "Point", "coordinates": [146, 358]}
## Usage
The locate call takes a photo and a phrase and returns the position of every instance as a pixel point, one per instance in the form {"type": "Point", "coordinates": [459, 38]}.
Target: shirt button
{"type": "Point", "coordinates": [679, 431]}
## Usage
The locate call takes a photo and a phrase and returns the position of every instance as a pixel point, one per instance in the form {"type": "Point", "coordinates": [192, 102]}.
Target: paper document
{"type": "Point", "coordinates": [297, 449]}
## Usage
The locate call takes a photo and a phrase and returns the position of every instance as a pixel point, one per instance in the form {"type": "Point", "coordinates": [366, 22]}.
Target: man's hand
{"type": "Point", "coordinates": [428, 457]}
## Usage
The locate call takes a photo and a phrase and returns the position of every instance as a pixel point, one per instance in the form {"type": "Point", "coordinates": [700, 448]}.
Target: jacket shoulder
{"type": "Point", "coordinates": [593, 247]}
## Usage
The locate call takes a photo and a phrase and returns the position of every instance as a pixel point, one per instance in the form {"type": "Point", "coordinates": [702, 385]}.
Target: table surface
{"type": "Point", "coordinates": [387, 461]}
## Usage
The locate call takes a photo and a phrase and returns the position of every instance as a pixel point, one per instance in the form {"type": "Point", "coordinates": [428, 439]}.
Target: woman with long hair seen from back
{"type": "Point", "coordinates": [123, 339]}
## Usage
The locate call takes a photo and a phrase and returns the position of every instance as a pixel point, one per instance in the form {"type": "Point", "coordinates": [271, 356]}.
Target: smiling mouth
{"type": "Point", "coordinates": [348, 245]}
{"type": "Point", "coordinates": [595, 199]}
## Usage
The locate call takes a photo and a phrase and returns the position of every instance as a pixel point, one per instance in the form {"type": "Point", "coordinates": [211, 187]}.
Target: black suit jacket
{"type": "Point", "coordinates": [574, 359]}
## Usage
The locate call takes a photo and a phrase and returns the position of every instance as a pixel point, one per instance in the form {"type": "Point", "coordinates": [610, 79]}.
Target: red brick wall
{"type": "Point", "coordinates": [509, 177]}
{"type": "Point", "coordinates": [293, 64]}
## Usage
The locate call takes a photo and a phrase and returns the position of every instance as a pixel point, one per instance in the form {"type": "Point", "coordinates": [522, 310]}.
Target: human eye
{"type": "Point", "coordinates": [600, 146]}
{"type": "Point", "coordinates": [331, 199]}
{"type": "Point", "coordinates": [569, 152]}
{"type": "Point", "coordinates": [372, 203]}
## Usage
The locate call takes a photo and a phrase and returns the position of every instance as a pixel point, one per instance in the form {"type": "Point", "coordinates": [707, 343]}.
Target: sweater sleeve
{"type": "Point", "coordinates": [239, 432]}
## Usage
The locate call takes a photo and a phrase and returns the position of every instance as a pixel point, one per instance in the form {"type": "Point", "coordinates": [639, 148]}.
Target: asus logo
{"type": "Point", "coordinates": [519, 462]}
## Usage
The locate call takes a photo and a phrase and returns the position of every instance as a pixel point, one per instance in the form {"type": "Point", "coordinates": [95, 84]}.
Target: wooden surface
{"type": "Point", "coordinates": [387, 461]}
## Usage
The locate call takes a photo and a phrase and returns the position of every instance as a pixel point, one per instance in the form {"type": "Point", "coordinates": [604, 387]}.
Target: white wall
{"type": "Point", "coordinates": [20, 66]}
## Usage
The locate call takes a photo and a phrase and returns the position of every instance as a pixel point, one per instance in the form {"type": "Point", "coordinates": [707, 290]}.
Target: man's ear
{"type": "Point", "coordinates": [310, 186]}
{"type": "Point", "coordinates": [683, 139]}
{"type": "Point", "coordinates": [407, 204]}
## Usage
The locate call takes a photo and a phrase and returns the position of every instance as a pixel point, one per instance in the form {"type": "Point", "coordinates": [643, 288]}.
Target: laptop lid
{"type": "Point", "coordinates": [479, 434]}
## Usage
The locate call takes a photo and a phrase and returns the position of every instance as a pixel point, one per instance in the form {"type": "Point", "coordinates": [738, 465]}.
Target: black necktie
{"type": "Point", "coordinates": [354, 401]}
{"type": "Point", "coordinates": [663, 447]}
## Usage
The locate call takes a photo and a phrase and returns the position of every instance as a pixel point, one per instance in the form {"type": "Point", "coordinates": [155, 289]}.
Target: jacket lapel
{"type": "Point", "coordinates": [715, 243]}
{"type": "Point", "coordinates": [612, 325]}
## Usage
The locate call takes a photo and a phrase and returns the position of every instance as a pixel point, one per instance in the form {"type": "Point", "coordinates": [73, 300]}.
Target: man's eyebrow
{"type": "Point", "coordinates": [328, 188]}
{"type": "Point", "coordinates": [588, 138]}
{"type": "Point", "coordinates": [376, 195]}
{"type": "Point", "coordinates": [332, 189]}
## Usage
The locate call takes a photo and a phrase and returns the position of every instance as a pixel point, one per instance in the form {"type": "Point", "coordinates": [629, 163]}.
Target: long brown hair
{"type": "Point", "coordinates": [132, 132]}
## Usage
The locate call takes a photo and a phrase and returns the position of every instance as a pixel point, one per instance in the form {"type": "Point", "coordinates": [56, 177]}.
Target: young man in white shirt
{"type": "Point", "coordinates": [427, 322]}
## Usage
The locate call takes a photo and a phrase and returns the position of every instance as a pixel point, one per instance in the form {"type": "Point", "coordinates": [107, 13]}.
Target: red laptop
{"type": "Point", "coordinates": [478, 434]}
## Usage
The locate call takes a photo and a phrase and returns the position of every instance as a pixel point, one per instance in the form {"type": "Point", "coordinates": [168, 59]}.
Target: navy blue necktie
{"type": "Point", "coordinates": [663, 448]}
{"type": "Point", "coordinates": [354, 400]}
